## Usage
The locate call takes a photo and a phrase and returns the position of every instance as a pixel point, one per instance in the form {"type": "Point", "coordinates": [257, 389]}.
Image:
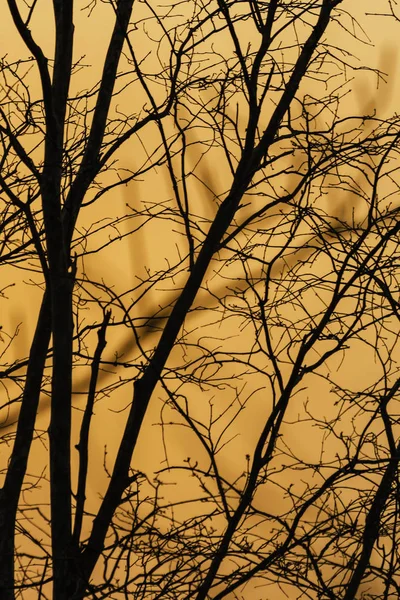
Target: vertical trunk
{"type": "Point", "coordinates": [59, 432]}
{"type": "Point", "coordinates": [9, 495]}
{"type": "Point", "coordinates": [61, 281]}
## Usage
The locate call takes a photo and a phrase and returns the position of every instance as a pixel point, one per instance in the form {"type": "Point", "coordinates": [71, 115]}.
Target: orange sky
{"type": "Point", "coordinates": [90, 42]}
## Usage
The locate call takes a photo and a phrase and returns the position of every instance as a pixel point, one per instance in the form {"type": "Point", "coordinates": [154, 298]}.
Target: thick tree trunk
{"type": "Point", "coordinates": [60, 433]}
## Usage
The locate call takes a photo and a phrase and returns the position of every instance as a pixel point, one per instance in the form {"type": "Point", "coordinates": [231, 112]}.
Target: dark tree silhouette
{"type": "Point", "coordinates": [250, 278]}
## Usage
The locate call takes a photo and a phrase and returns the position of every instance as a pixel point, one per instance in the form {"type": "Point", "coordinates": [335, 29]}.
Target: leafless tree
{"type": "Point", "coordinates": [257, 326]}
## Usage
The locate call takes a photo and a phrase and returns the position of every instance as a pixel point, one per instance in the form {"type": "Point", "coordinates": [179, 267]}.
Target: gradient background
{"type": "Point", "coordinates": [152, 246]}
